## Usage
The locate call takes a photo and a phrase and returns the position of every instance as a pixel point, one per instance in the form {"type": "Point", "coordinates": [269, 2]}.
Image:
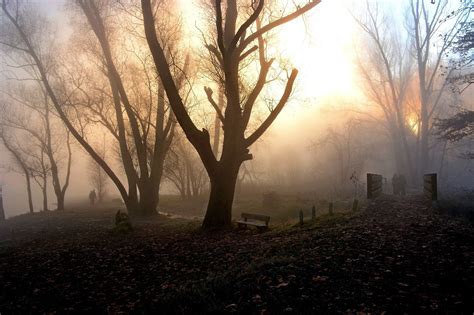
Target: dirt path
{"type": "Point", "coordinates": [397, 256]}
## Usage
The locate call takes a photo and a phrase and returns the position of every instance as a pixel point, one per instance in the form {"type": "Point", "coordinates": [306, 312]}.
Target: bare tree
{"type": "Point", "coordinates": [97, 176]}
{"type": "Point", "coordinates": [457, 127]}
{"type": "Point", "coordinates": [348, 149]}
{"type": "Point", "coordinates": [461, 63]}
{"type": "Point", "coordinates": [28, 152]}
{"type": "Point", "coordinates": [425, 24]}
{"type": "Point", "coordinates": [184, 169]}
{"type": "Point", "coordinates": [22, 163]}
{"type": "Point", "coordinates": [41, 127]}
{"type": "Point", "coordinates": [41, 170]}
{"type": "Point", "coordinates": [231, 46]}
{"type": "Point", "coordinates": [140, 125]}
{"type": "Point", "coordinates": [386, 73]}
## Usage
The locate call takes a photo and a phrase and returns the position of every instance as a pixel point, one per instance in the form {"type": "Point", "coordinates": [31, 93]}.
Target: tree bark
{"type": "Point", "coordinates": [60, 201]}
{"type": "Point", "coordinates": [148, 200]}
{"type": "Point", "coordinates": [219, 208]}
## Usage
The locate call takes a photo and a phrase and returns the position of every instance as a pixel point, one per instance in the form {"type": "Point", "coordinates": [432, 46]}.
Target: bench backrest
{"type": "Point", "coordinates": [257, 217]}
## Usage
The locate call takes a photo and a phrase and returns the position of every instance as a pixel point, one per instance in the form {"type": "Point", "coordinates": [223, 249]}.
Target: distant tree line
{"type": "Point", "coordinates": [126, 69]}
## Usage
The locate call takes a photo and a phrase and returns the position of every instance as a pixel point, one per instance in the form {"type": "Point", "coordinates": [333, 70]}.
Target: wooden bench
{"type": "Point", "coordinates": [257, 220]}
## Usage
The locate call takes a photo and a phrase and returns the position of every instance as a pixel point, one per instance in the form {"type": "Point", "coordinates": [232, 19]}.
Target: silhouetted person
{"type": "Point", "coordinates": [402, 183]}
{"type": "Point", "coordinates": [92, 197]}
{"type": "Point", "coordinates": [396, 184]}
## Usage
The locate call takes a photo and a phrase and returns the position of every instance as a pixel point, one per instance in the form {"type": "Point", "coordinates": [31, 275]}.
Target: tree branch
{"type": "Point", "coordinates": [209, 92]}
{"type": "Point", "coordinates": [300, 11]}
{"type": "Point", "coordinates": [199, 139]}
{"type": "Point", "coordinates": [243, 28]}
{"type": "Point", "coordinates": [220, 31]}
{"type": "Point", "coordinates": [273, 114]}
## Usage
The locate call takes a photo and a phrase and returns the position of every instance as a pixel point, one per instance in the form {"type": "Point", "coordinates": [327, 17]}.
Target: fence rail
{"type": "Point", "coordinates": [430, 186]}
{"type": "Point", "coordinates": [374, 185]}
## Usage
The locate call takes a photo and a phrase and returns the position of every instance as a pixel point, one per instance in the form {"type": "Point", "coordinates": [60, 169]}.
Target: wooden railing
{"type": "Point", "coordinates": [374, 185]}
{"type": "Point", "coordinates": [430, 186]}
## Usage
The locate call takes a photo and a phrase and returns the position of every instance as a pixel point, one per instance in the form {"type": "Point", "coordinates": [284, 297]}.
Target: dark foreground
{"type": "Point", "coordinates": [396, 256]}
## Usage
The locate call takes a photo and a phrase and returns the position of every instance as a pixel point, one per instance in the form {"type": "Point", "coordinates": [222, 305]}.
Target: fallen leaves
{"type": "Point", "coordinates": [320, 279]}
{"type": "Point", "coordinates": [396, 255]}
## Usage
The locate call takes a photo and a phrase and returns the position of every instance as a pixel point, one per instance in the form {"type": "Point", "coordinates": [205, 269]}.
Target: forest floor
{"type": "Point", "coordinates": [395, 256]}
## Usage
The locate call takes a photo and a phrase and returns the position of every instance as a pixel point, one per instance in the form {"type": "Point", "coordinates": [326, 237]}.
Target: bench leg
{"type": "Point", "coordinates": [241, 226]}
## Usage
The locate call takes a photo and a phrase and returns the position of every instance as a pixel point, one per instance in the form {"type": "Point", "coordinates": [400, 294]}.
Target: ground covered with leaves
{"type": "Point", "coordinates": [397, 255]}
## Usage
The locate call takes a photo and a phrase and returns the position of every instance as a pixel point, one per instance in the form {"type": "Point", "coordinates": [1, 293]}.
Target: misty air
{"type": "Point", "coordinates": [236, 156]}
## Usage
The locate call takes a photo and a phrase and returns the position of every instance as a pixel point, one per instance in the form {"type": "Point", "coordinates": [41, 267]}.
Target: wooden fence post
{"type": "Point", "coordinates": [330, 208]}
{"type": "Point", "coordinates": [430, 186]}
{"type": "Point", "coordinates": [301, 217]}
{"type": "Point", "coordinates": [313, 213]}
{"type": "Point", "coordinates": [374, 185]}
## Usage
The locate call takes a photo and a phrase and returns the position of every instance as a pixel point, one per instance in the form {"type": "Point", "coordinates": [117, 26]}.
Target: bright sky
{"type": "Point", "coordinates": [322, 54]}
{"type": "Point", "coordinates": [320, 46]}
{"type": "Point", "coordinates": [319, 49]}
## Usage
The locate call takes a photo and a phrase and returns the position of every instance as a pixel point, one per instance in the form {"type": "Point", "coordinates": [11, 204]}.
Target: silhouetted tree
{"type": "Point", "coordinates": [456, 128]}
{"type": "Point", "coordinates": [21, 161]}
{"type": "Point", "coordinates": [132, 108]}
{"type": "Point", "coordinates": [463, 46]}
{"type": "Point", "coordinates": [348, 149]}
{"type": "Point", "coordinates": [98, 178]}
{"type": "Point", "coordinates": [424, 23]}
{"type": "Point", "coordinates": [40, 125]}
{"type": "Point", "coordinates": [386, 71]}
{"type": "Point", "coordinates": [231, 46]}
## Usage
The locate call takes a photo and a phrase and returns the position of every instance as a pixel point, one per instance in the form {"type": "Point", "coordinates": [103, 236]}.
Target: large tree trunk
{"type": "Point", "coordinates": [149, 193]}
{"type": "Point", "coordinates": [219, 208]}
{"type": "Point", "coordinates": [60, 201]}
{"type": "Point", "coordinates": [236, 116]}
{"type": "Point", "coordinates": [132, 205]}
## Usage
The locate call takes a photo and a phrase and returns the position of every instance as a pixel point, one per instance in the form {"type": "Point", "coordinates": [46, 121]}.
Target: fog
{"type": "Point", "coordinates": [236, 156]}
{"type": "Point", "coordinates": [330, 129]}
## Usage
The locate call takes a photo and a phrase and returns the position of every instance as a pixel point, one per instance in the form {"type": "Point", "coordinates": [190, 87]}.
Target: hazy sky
{"type": "Point", "coordinates": [322, 49]}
